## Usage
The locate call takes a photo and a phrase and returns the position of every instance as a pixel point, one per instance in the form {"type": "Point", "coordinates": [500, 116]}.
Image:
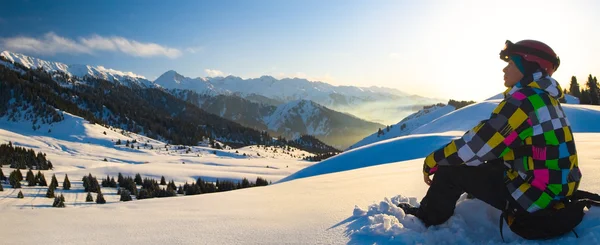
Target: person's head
{"type": "Point", "coordinates": [525, 58]}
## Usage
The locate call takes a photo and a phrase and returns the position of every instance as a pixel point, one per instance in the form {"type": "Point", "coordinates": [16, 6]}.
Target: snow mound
{"type": "Point", "coordinates": [387, 151]}
{"type": "Point", "coordinates": [474, 222]}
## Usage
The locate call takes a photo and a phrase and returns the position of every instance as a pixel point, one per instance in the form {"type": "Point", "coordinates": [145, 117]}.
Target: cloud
{"type": "Point", "coordinates": [214, 73]}
{"type": "Point", "coordinates": [48, 44]}
{"type": "Point", "coordinates": [51, 44]}
{"type": "Point", "coordinates": [130, 47]}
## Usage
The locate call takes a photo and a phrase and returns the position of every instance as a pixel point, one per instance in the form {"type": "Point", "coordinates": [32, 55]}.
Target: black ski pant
{"type": "Point", "coordinates": [485, 182]}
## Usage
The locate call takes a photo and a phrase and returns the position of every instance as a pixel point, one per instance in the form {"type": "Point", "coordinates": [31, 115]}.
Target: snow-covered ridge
{"type": "Point", "coordinates": [77, 70]}
{"type": "Point", "coordinates": [407, 125]}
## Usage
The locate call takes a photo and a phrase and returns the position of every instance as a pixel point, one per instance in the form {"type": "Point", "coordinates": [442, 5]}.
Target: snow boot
{"type": "Point", "coordinates": [408, 209]}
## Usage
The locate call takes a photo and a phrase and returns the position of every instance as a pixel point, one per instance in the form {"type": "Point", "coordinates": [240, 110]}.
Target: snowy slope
{"type": "Point", "coordinates": [79, 71]}
{"type": "Point", "coordinates": [407, 125]}
{"type": "Point", "coordinates": [351, 207]}
{"type": "Point", "coordinates": [80, 147]}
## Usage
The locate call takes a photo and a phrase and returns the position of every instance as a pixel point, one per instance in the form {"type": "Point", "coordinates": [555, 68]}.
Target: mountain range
{"type": "Point", "coordinates": [286, 107]}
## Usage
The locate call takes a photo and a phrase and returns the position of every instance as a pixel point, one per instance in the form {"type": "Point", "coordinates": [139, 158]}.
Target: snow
{"type": "Point", "coordinates": [571, 99]}
{"type": "Point", "coordinates": [322, 207]}
{"type": "Point", "coordinates": [346, 199]}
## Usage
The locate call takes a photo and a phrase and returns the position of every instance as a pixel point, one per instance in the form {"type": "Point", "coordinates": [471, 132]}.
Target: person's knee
{"type": "Point", "coordinates": [446, 173]}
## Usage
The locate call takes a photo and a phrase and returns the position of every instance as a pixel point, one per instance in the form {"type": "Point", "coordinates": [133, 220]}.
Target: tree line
{"type": "Point", "coordinates": [587, 95]}
{"type": "Point", "coordinates": [23, 158]}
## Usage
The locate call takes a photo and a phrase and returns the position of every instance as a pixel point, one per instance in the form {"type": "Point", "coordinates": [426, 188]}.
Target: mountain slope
{"type": "Point", "coordinates": [300, 117]}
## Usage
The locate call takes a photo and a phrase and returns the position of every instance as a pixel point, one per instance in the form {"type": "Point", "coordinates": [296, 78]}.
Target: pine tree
{"type": "Point", "coordinates": [585, 97]}
{"type": "Point", "coordinates": [574, 88]}
{"type": "Point", "coordinates": [20, 195]}
{"type": "Point", "coordinates": [100, 198]}
{"type": "Point", "coordinates": [162, 180]}
{"type": "Point", "coordinates": [113, 184]}
{"type": "Point", "coordinates": [17, 185]}
{"type": "Point", "coordinates": [89, 198]}
{"type": "Point", "coordinates": [120, 178]}
{"type": "Point", "coordinates": [592, 85]}
{"type": "Point", "coordinates": [2, 177]}
{"type": "Point", "coordinates": [19, 175]}
{"type": "Point", "coordinates": [172, 185]}
{"type": "Point", "coordinates": [245, 183]}
{"type": "Point", "coordinates": [138, 179]}
{"type": "Point", "coordinates": [41, 179]}
{"type": "Point", "coordinates": [59, 202]}
{"type": "Point", "coordinates": [50, 192]}
{"type": "Point", "coordinates": [125, 196]}
{"type": "Point", "coordinates": [1, 187]}
{"type": "Point", "coordinates": [66, 183]}
{"type": "Point", "coordinates": [30, 178]}
{"type": "Point", "coordinates": [180, 190]}
{"type": "Point", "coordinates": [54, 182]}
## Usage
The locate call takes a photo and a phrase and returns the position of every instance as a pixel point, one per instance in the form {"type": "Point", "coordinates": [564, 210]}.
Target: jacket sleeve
{"type": "Point", "coordinates": [506, 128]}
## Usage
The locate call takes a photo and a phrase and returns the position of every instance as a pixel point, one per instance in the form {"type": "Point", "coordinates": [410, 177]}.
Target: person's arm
{"type": "Point", "coordinates": [507, 127]}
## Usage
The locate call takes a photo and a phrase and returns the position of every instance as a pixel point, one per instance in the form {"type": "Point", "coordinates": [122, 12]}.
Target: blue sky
{"type": "Point", "coordinates": [434, 48]}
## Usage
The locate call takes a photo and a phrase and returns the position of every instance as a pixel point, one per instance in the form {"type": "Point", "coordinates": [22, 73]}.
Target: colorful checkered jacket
{"type": "Point", "coordinates": [530, 132]}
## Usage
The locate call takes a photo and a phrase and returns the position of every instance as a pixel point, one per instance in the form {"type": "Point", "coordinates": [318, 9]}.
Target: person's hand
{"type": "Point", "coordinates": [427, 179]}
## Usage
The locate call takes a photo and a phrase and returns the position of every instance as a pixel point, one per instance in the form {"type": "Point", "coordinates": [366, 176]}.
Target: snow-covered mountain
{"type": "Point", "coordinates": [300, 117]}
{"type": "Point", "coordinates": [77, 70]}
{"type": "Point", "coordinates": [174, 81]}
{"type": "Point", "coordinates": [291, 119]}
{"type": "Point", "coordinates": [371, 103]}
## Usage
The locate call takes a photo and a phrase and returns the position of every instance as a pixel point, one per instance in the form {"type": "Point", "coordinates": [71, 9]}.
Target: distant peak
{"type": "Point", "coordinates": [267, 77]}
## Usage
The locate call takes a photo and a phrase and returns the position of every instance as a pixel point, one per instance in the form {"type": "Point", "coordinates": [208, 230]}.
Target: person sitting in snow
{"type": "Point", "coordinates": [522, 160]}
